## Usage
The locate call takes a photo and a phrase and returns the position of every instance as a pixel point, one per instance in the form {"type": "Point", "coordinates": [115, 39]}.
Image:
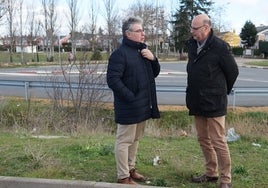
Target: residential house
{"type": "Point", "coordinates": [262, 34]}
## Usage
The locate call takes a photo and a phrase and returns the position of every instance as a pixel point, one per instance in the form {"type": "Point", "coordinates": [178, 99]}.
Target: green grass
{"type": "Point", "coordinates": [91, 158]}
{"type": "Point", "coordinates": [89, 155]}
{"type": "Point", "coordinates": [32, 59]}
{"type": "Point", "coordinates": [258, 63]}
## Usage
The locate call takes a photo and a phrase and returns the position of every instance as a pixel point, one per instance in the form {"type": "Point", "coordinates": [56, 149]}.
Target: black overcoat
{"type": "Point", "coordinates": [211, 76]}
{"type": "Point", "coordinates": [132, 80]}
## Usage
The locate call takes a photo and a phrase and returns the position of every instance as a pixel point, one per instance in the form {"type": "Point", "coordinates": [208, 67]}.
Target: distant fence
{"type": "Point", "coordinates": [159, 88]}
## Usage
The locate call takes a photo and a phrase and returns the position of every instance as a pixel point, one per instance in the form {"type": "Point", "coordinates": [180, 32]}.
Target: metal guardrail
{"type": "Point", "coordinates": [248, 91]}
{"type": "Point", "coordinates": [159, 88]}
{"type": "Point", "coordinates": [48, 84]}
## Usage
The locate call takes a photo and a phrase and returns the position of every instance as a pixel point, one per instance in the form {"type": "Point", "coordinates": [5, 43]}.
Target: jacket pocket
{"type": "Point", "coordinates": [212, 100]}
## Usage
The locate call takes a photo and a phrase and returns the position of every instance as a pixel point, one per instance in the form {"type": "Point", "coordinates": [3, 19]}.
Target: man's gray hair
{"type": "Point", "coordinates": [127, 24]}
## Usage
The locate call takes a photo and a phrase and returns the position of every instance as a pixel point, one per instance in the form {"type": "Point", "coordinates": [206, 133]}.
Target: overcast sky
{"type": "Point", "coordinates": [233, 14]}
{"type": "Point", "coordinates": [239, 11]}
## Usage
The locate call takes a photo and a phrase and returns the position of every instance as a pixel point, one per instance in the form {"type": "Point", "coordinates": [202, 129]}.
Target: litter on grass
{"type": "Point", "coordinates": [231, 135]}
{"type": "Point", "coordinates": [156, 161]}
{"type": "Point", "coordinates": [255, 144]}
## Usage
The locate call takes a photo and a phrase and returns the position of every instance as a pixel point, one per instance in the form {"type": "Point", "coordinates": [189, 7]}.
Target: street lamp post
{"type": "Point", "coordinates": [156, 25]}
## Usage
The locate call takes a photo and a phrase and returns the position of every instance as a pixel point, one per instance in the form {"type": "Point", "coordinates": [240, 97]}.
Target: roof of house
{"type": "Point", "coordinates": [262, 29]}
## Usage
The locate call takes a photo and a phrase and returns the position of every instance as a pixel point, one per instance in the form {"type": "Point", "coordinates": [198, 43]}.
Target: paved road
{"type": "Point", "coordinates": [250, 76]}
{"type": "Point", "coordinates": [172, 74]}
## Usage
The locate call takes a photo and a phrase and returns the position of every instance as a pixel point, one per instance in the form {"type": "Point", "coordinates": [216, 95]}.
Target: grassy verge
{"type": "Point", "coordinates": [258, 63]}
{"type": "Point", "coordinates": [41, 58]}
{"type": "Point", "coordinates": [87, 154]}
{"type": "Point", "coordinates": [91, 158]}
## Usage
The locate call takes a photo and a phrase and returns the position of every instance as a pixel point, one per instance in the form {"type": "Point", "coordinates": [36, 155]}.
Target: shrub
{"type": "Point", "coordinates": [174, 119]}
{"type": "Point", "coordinates": [257, 52]}
{"type": "Point", "coordinates": [263, 47]}
{"type": "Point", "coordinates": [237, 51]}
{"type": "Point", "coordinates": [96, 55]}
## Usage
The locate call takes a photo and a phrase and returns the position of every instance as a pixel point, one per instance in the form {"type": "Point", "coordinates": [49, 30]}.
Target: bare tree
{"type": "Point", "coordinates": [147, 11]}
{"type": "Point", "coordinates": [22, 61]}
{"type": "Point", "coordinates": [79, 92]}
{"type": "Point", "coordinates": [34, 31]}
{"type": "Point", "coordinates": [3, 9]}
{"type": "Point", "coordinates": [92, 26]}
{"type": "Point", "coordinates": [81, 95]}
{"type": "Point", "coordinates": [45, 25]}
{"type": "Point", "coordinates": [49, 26]}
{"type": "Point", "coordinates": [73, 19]}
{"type": "Point", "coordinates": [111, 17]}
{"type": "Point", "coordinates": [154, 21]}
{"type": "Point", "coordinates": [100, 40]}
{"type": "Point", "coordinates": [11, 11]}
{"type": "Point", "coordinates": [218, 13]}
{"type": "Point", "coordinates": [162, 28]}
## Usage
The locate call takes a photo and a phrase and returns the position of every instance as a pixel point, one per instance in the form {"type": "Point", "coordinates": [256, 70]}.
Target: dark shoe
{"type": "Point", "coordinates": [204, 178]}
{"type": "Point", "coordinates": [225, 185]}
{"type": "Point", "coordinates": [127, 180]}
{"type": "Point", "coordinates": [136, 176]}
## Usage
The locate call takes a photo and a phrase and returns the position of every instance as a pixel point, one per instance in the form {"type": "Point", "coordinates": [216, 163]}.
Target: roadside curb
{"type": "Point", "coordinates": [20, 182]}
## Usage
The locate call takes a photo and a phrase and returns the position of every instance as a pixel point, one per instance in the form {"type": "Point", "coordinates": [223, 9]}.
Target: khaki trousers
{"type": "Point", "coordinates": [211, 137]}
{"type": "Point", "coordinates": [126, 146]}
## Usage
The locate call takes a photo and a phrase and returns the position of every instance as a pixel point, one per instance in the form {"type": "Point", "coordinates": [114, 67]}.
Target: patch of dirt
{"type": "Point", "coordinates": [182, 108]}
{"type": "Point", "coordinates": [249, 109]}
{"type": "Point", "coordinates": [172, 108]}
{"type": "Point", "coordinates": [236, 109]}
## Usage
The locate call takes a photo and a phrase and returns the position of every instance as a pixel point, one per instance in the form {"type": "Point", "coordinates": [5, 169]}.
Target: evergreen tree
{"type": "Point", "coordinates": [183, 17]}
{"type": "Point", "coordinates": [248, 34]}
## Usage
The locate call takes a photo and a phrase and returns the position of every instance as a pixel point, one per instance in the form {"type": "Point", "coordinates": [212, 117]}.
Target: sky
{"type": "Point", "coordinates": [231, 13]}
{"type": "Point", "coordinates": [237, 12]}
{"type": "Point", "coordinates": [234, 13]}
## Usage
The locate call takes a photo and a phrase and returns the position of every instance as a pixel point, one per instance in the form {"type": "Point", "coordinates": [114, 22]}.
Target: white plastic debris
{"type": "Point", "coordinates": [231, 135]}
{"type": "Point", "coordinates": [156, 160]}
{"type": "Point", "coordinates": [255, 144]}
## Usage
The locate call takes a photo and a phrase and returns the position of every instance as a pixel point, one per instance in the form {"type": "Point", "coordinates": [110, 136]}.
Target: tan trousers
{"type": "Point", "coordinates": [211, 137]}
{"type": "Point", "coordinates": [126, 146]}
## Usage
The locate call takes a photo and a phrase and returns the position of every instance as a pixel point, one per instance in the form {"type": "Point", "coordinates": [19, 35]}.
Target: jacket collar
{"type": "Point", "coordinates": [193, 44]}
{"type": "Point", "coordinates": [133, 44]}
{"type": "Point", "coordinates": [208, 40]}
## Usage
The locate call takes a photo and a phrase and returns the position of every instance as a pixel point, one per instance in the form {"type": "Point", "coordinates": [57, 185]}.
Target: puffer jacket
{"type": "Point", "coordinates": [132, 80]}
{"type": "Point", "coordinates": [211, 76]}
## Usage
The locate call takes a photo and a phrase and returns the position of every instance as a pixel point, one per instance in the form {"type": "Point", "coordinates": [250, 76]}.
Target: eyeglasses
{"type": "Point", "coordinates": [196, 28]}
{"type": "Point", "coordinates": [137, 31]}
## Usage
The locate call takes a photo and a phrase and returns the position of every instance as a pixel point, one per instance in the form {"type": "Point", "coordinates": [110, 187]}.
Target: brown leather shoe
{"type": "Point", "coordinates": [127, 180]}
{"type": "Point", "coordinates": [225, 185]}
{"type": "Point", "coordinates": [136, 176]}
{"type": "Point", "coordinates": [204, 178]}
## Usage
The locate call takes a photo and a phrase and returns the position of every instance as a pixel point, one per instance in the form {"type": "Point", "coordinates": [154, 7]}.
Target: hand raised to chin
{"type": "Point", "coordinates": [146, 53]}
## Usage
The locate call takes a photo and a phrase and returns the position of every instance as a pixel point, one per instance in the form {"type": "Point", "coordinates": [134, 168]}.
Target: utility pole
{"type": "Point", "coordinates": [156, 30]}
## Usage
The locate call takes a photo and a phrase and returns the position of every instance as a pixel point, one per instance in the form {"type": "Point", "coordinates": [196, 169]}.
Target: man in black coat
{"type": "Point", "coordinates": [212, 72]}
{"type": "Point", "coordinates": [131, 73]}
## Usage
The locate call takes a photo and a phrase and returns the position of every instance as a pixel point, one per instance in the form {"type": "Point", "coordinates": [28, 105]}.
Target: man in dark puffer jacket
{"type": "Point", "coordinates": [131, 75]}
{"type": "Point", "coordinates": [212, 72]}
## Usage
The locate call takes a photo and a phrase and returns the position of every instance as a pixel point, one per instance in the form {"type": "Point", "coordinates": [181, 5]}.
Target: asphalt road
{"type": "Point", "coordinates": [172, 74]}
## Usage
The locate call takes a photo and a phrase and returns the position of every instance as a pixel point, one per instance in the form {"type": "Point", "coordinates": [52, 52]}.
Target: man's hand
{"type": "Point", "coordinates": [147, 54]}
